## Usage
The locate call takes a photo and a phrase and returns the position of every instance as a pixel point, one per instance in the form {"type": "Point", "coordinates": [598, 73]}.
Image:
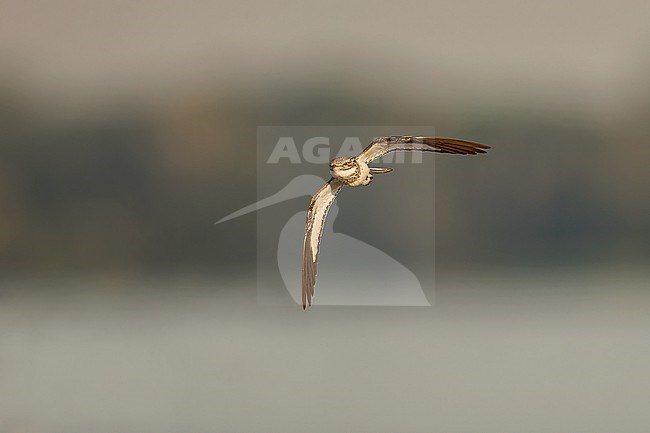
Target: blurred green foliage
{"type": "Point", "coordinates": [137, 187]}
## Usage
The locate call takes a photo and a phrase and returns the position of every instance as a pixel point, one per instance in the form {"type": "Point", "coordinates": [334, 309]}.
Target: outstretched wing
{"type": "Point", "coordinates": [316, 213]}
{"type": "Point", "coordinates": [382, 145]}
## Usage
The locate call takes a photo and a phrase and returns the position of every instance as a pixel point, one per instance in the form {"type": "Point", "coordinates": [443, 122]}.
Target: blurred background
{"type": "Point", "coordinates": [128, 128]}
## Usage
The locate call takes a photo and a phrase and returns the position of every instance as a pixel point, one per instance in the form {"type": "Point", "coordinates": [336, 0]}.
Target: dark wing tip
{"type": "Point", "coordinates": [308, 277]}
{"type": "Point", "coordinates": [455, 146]}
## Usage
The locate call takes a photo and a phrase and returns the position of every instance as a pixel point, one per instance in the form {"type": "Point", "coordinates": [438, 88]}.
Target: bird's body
{"type": "Point", "coordinates": [355, 171]}
{"type": "Point", "coordinates": [350, 172]}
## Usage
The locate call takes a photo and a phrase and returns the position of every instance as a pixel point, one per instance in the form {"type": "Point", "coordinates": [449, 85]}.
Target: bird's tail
{"type": "Point", "coordinates": [380, 170]}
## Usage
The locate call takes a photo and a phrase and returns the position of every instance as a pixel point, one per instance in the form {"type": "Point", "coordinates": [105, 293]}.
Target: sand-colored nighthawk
{"type": "Point", "coordinates": [354, 171]}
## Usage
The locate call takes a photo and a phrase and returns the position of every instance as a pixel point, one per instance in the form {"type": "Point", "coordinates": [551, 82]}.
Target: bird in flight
{"type": "Point", "coordinates": [354, 171]}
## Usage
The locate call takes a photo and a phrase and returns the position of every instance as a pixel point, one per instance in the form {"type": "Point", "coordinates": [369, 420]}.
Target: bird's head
{"type": "Point", "coordinates": [343, 162]}
{"type": "Point", "coordinates": [344, 168]}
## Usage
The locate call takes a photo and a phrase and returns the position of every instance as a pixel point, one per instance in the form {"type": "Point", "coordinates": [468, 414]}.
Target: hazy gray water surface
{"type": "Point", "coordinates": [519, 353]}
